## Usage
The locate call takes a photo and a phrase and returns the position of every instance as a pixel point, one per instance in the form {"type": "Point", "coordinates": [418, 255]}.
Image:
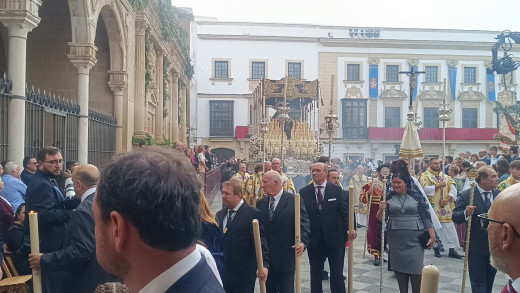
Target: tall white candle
{"type": "Point", "coordinates": [430, 279]}
{"type": "Point", "coordinates": [35, 249]}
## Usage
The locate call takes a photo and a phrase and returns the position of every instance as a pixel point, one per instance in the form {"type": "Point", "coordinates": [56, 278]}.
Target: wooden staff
{"type": "Point", "coordinates": [258, 249]}
{"type": "Point", "coordinates": [473, 174]}
{"type": "Point", "coordinates": [297, 240]}
{"type": "Point", "coordinates": [368, 215]}
{"type": "Point", "coordinates": [385, 172]}
{"type": "Point", "coordinates": [35, 249]}
{"type": "Point", "coordinates": [350, 242]}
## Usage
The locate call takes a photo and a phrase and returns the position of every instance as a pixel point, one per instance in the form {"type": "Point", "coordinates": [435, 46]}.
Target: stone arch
{"type": "Point", "coordinates": [110, 56]}
{"type": "Point", "coordinates": [116, 38]}
{"type": "Point", "coordinates": [80, 15]}
{"type": "Point", "coordinates": [223, 154]}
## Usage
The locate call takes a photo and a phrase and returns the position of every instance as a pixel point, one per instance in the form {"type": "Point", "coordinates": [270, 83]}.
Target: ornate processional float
{"type": "Point", "coordinates": [285, 123]}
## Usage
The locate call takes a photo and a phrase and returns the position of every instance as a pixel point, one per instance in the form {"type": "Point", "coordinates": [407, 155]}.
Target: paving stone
{"type": "Point", "coordinates": [366, 275]}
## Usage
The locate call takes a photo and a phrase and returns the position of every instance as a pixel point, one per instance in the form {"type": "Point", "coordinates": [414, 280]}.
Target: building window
{"type": "Point", "coordinates": [469, 118]}
{"type": "Point", "coordinates": [431, 117]}
{"type": "Point", "coordinates": [354, 119]}
{"type": "Point", "coordinates": [221, 69]}
{"type": "Point", "coordinates": [353, 72]}
{"type": "Point", "coordinates": [470, 74]}
{"type": "Point", "coordinates": [431, 73]}
{"type": "Point", "coordinates": [257, 70]}
{"type": "Point", "coordinates": [294, 69]}
{"type": "Point", "coordinates": [392, 73]}
{"type": "Point", "coordinates": [221, 118]}
{"type": "Point", "coordinates": [392, 117]}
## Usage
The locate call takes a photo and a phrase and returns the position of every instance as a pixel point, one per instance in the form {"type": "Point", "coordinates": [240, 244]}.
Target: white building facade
{"type": "Point", "coordinates": [370, 96]}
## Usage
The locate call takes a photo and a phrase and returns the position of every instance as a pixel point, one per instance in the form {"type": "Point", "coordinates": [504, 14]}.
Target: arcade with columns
{"type": "Point", "coordinates": [111, 57]}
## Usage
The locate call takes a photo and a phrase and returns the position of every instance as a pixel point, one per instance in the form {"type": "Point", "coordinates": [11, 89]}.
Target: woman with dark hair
{"type": "Point", "coordinates": [502, 169]}
{"type": "Point", "coordinates": [408, 216]}
{"type": "Point", "coordinates": [15, 242]}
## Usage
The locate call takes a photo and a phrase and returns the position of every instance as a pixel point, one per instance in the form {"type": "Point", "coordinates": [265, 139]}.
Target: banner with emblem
{"type": "Point", "coordinates": [374, 90]}
{"type": "Point", "coordinates": [452, 74]}
{"type": "Point", "coordinates": [491, 87]}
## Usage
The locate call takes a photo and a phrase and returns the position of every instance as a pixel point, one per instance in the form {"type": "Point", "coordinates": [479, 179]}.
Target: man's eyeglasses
{"type": "Point", "coordinates": [484, 223]}
{"type": "Point", "coordinates": [55, 162]}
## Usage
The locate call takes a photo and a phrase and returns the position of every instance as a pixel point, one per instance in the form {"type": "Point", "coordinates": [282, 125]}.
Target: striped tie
{"type": "Point", "coordinates": [271, 208]}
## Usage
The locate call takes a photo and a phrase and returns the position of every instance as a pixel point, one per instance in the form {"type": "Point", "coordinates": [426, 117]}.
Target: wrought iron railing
{"type": "Point", "coordinates": [51, 120]}
{"type": "Point", "coordinates": [5, 98]}
{"type": "Point", "coordinates": [102, 137]}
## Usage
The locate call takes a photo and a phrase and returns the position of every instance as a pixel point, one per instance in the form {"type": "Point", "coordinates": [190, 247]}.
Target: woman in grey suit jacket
{"type": "Point", "coordinates": [408, 216]}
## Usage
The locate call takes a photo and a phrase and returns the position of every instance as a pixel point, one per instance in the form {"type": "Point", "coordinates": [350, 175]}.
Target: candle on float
{"type": "Point", "coordinates": [332, 79]}
{"type": "Point", "coordinates": [430, 279]}
{"type": "Point", "coordinates": [35, 249]}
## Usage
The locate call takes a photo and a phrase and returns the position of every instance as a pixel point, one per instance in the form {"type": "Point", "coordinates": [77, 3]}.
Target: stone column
{"type": "Point", "coordinates": [140, 70]}
{"type": "Point", "coordinates": [175, 107]}
{"type": "Point", "coordinates": [188, 116]}
{"type": "Point", "coordinates": [82, 56]}
{"type": "Point", "coordinates": [159, 117]}
{"type": "Point", "coordinates": [117, 83]}
{"type": "Point", "coordinates": [19, 19]}
{"type": "Point", "coordinates": [182, 97]}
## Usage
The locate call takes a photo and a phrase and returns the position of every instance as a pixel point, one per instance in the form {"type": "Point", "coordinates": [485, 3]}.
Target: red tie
{"type": "Point", "coordinates": [320, 196]}
{"type": "Point", "coordinates": [509, 289]}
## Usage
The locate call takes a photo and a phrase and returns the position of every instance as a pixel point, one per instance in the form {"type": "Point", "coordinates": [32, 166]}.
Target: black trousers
{"type": "Point", "coordinates": [279, 282]}
{"type": "Point", "coordinates": [239, 287]}
{"type": "Point", "coordinates": [317, 256]}
{"type": "Point", "coordinates": [481, 273]}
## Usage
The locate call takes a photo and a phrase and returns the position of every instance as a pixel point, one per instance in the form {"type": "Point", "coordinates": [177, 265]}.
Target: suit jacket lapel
{"type": "Point", "coordinates": [281, 205]}
{"type": "Point", "coordinates": [312, 195]}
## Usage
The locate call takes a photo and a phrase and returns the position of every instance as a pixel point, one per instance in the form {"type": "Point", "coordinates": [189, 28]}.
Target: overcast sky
{"type": "Point", "coordinates": [494, 15]}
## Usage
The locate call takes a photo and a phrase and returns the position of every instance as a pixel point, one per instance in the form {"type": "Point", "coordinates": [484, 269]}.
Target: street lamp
{"type": "Point", "coordinates": [331, 124]}
{"type": "Point", "coordinates": [444, 116]}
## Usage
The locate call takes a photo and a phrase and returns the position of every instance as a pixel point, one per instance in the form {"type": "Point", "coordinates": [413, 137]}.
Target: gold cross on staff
{"type": "Point", "coordinates": [413, 76]}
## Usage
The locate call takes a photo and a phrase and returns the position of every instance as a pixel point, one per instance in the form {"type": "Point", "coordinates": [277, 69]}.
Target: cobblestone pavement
{"type": "Point", "coordinates": [366, 275]}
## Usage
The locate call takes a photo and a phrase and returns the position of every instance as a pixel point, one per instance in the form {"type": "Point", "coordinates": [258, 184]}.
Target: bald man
{"type": "Point", "coordinates": [503, 226]}
{"type": "Point", "coordinates": [74, 266]}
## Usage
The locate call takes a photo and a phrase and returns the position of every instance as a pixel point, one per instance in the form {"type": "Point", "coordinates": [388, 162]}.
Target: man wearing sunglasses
{"type": "Point", "coordinates": [481, 273]}
{"type": "Point", "coordinates": [503, 226]}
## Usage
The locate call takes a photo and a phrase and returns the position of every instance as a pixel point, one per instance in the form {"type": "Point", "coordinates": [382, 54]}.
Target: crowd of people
{"type": "Point", "coordinates": [142, 223]}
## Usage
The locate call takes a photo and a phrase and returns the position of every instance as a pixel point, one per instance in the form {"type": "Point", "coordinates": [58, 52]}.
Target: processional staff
{"type": "Point", "coordinates": [385, 172]}
{"type": "Point", "coordinates": [473, 174]}
{"type": "Point", "coordinates": [258, 250]}
{"type": "Point", "coordinates": [370, 194]}
{"type": "Point", "coordinates": [350, 242]}
{"type": "Point", "coordinates": [297, 238]}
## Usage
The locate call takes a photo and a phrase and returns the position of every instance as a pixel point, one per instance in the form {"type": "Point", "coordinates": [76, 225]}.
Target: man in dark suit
{"type": "Point", "coordinates": [235, 220]}
{"type": "Point", "coordinates": [44, 197]}
{"type": "Point", "coordinates": [327, 210]}
{"type": "Point", "coordinates": [278, 211]}
{"type": "Point", "coordinates": [503, 226]}
{"type": "Point", "coordinates": [75, 265]}
{"type": "Point", "coordinates": [333, 177]}
{"type": "Point", "coordinates": [146, 211]}
{"type": "Point", "coordinates": [481, 273]}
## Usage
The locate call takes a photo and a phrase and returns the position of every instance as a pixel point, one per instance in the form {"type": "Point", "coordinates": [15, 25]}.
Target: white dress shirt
{"type": "Point", "coordinates": [165, 280]}
{"type": "Point", "coordinates": [516, 284]}
{"type": "Point", "coordinates": [276, 199]}
{"type": "Point", "coordinates": [322, 189]}
{"type": "Point", "coordinates": [224, 222]}
{"type": "Point", "coordinates": [87, 193]}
